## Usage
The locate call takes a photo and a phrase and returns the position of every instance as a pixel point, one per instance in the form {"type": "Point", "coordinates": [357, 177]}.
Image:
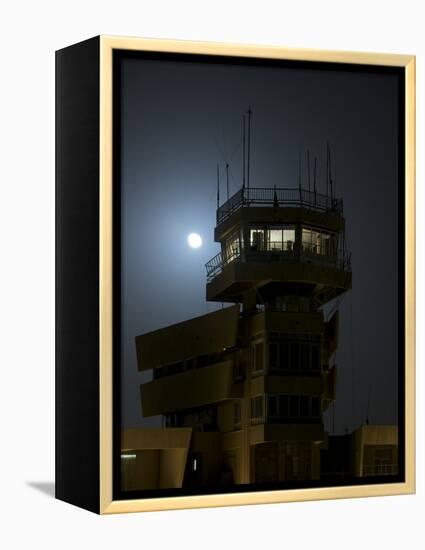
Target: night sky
{"type": "Point", "coordinates": [178, 120]}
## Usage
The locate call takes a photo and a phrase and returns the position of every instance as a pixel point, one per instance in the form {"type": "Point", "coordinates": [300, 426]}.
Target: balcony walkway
{"type": "Point", "coordinates": [270, 196]}
{"type": "Point", "coordinates": [340, 260]}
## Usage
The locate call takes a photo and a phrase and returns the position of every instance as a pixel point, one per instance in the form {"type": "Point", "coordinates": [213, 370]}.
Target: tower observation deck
{"type": "Point", "coordinates": [279, 241]}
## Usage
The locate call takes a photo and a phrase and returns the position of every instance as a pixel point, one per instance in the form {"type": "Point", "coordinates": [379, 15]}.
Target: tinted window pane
{"type": "Point", "coordinates": [275, 239]}
{"type": "Point", "coordinates": [305, 356]}
{"type": "Point", "coordinates": [258, 407]}
{"type": "Point", "coordinates": [257, 239]}
{"type": "Point", "coordinates": [304, 406]}
{"type": "Point", "coordinates": [294, 355]}
{"type": "Point", "coordinates": [272, 406]}
{"type": "Point", "coordinates": [293, 405]}
{"type": "Point", "coordinates": [315, 406]}
{"type": "Point", "coordinates": [258, 361]}
{"type": "Point", "coordinates": [283, 406]}
{"type": "Point", "coordinates": [315, 357]}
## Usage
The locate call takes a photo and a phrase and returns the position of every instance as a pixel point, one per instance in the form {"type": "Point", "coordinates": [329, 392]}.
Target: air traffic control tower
{"type": "Point", "coordinates": [248, 384]}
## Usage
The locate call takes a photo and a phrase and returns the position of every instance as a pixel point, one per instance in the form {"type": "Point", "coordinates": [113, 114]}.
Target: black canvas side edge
{"type": "Point", "coordinates": [77, 275]}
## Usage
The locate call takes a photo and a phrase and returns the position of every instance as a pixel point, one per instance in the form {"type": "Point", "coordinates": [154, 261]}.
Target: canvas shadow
{"type": "Point", "coordinates": [46, 487]}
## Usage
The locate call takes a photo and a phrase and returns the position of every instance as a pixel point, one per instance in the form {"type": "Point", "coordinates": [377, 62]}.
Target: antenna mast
{"type": "Point", "coordinates": [227, 179]}
{"type": "Point", "coordinates": [243, 156]}
{"type": "Point", "coordinates": [314, 179]}
{"type": "Point", "coordinates": [308, 170]}
{"type": "Point", "coordinates": [218, 186]}
{"type": "Point", "coordinates": [249, 143]}
{"type": "Point", "coordinates": [299, 168]}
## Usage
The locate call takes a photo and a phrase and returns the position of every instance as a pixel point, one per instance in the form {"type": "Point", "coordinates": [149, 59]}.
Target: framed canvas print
{"type": "Point", "coordinates": [235, 274]}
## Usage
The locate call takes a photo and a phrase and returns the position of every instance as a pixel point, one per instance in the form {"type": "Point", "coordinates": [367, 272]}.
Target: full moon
{"type": "Point", "coordinates": [194, 240]}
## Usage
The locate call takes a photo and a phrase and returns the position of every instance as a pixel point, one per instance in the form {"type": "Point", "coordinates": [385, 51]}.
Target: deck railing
{"type": "Point", "coordinates": [266, 196]}
{"type": "Point", "coordinates": [341, 260]}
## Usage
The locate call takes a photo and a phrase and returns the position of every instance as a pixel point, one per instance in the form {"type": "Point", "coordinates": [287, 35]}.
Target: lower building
{"type": "Point", "coordinates": [232, 412]}
{"type": "Point", "coordinates": [371, 450]}
{"type": "Point", "coordinates": [154, 458]}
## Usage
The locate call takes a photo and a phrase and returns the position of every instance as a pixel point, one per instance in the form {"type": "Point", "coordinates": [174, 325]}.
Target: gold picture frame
{"type": "Point", "coordinates": [106, 47]}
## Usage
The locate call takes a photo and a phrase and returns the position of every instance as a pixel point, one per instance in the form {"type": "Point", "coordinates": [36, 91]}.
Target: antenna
{"type": "Point", "coordinates": [218, 186]}
{"type": "Point", "coordinates": [334, 183]}
{"type": "Point", "coordinates": [314, 179]}
{"type": "Point", "coordinates": [308, 170]}
{"type": "Point", "coordinates": [244, 148]}
{"type": "Point", "coordinates": [249, 142]}
{"type": "Point", "coordinates": [227, 179]}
